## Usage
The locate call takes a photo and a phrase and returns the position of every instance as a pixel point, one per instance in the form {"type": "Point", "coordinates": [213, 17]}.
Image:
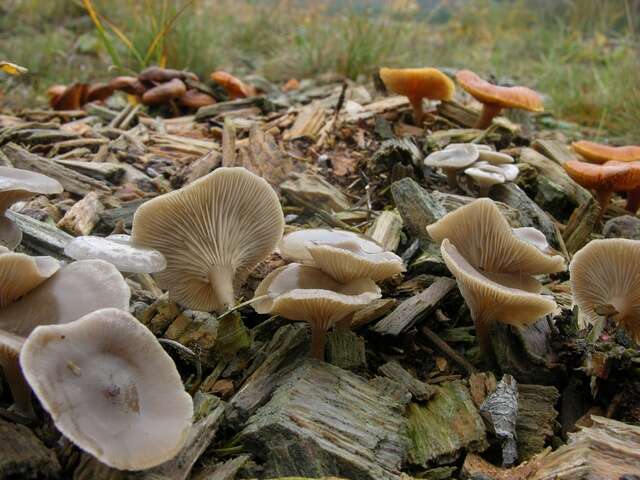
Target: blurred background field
{"type": "Point", "coordinates": [583, 55]}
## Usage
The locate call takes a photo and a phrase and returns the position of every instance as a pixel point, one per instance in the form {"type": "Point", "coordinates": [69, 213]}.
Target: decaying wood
{"type": "Point", "coordinates": [581, 225]}
{"type": "Point", "coordinates": [361, 416]}
{"type": "Point", "coordinates": [537, 415]}
{"type": "Point", "coordinates": [83, 216]}
{"type": "Point", "coordinates": [316, 190]}
{"type": "Point", "coordinates": [42, 238]}
{"type": "Point", "coordinates": [415, 308]}
{"type": "Point", "coordinates": [556, 151]}
{"type": "Point", "coordinates": [264, 157]}
{"type": "Point", "coordinates": [22, 455]}
{"type": "Point", "coordinates": [393, 152]}
{"type": "Point", "coordinates": [109, 218]}
{"type": "Point", "coordinates": [417, 207]}
{"type": "Point", "coordinates": [308, 123]}
{"type": "Point", "coordinates": [387, 229]}
{"type": "Point", "coordinates": [372, 312]}
{"type": "Point", "coordinates": [447, 350]}
{"type": "Point", "coordinates": [110, 172]}
{"type": "Point", "coordinates": [376, 108]}
{"type": "Point", "coordinates": [458, 113]}
{"type": "Point", "coordinates": [500, 409]}
{"type": "Point", "coordinates": [475, 467]}
{"type": "Point", "coordinates": [420, 391]}
{"type": "Point", "coordinates": [345, 349]}
{"type": "Point", "coordinates": [224, 471]}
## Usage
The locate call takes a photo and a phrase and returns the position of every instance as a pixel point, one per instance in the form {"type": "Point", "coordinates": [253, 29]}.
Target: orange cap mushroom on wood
{"type": "Point", "coordinates": [600, 153]}
{"type": "Point", "coordinates": [417, 84]}
{"type": "Point", "coordinates": [235, 87]}
{"type": "Point", "coordinates": [164, 92]}
{"type": "Point", "coordinates": [72, 98]}
{"type": "Point", "coordinates": [494, 97]}
{"type": "Point", "coordinates": [211, 232]}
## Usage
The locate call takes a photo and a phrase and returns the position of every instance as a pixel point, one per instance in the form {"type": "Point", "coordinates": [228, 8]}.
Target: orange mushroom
{"type": "Point", "coordinates": [99, 92]}
{"type": "Point", "coordinates": [193, 98]}
{"type": "Point", "coordinates": [416, 84]}
{"type": "Point", "coordinates": [164, 92]}
{"type": "Point", "coordinates": [494, 97]}
{"type": "Point", "coordinates": [154, 75]}
{"type": "Point", "coordinates": [605, 179]}
{"type": "Point", "coordinates": [600, 153]}
{"type": "Point", "coordinates": [130, 85]}
{"type": "Point", "coordinates": [71, 98]}
{"type": "Point", "coordinates": [233, 86]}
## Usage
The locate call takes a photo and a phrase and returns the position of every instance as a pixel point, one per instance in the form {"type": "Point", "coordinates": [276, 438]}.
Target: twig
{"type": "Point", "coordinates": [325, 216]}
{"type": "Point", "coordinates": [446, 349]}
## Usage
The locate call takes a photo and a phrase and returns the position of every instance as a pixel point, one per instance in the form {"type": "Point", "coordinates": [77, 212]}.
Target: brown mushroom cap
{"type": "Point", "coordinates": [54, 92]}
{"type": "Point", "coordinates": [110, 388]}
{"type": "Point", "coordinates": [17, 184]}
{"type": "Point", "coordinates": [20, 273]}
{"type": "Point", "coordinates": [10, 346]}
{"type": "Point", "coordinates": [235, 87]}
{"type": "Point", "coordinates": [193, 98]}
{"type": "Point", "coordinates": [164, 92]}
{"type": "Point", "coordinates": [607, 272]}
{"type": "Point", "coordinates": [211, 232]}
{"type": "Point", "coordinates": [420, 83]}
{"type": "Point", "coordinates": [73, 97]}
{"type": "Point", "coordinates": [99, 91]}
{"type": "Point", "coordinates": [599, 153]}
{"type": "Point", "coordinates": [613, 176]}
{"type": "Point", "coordinates": [483, 236]}
{"type": "Point", "coordinates": [162, 75]}
{"type": "Point", "coordinates": [130, 85]}
{"type": "Point", "coordinates": [73, 291]}
{"type": "Point", "coordinates": [506, 97]}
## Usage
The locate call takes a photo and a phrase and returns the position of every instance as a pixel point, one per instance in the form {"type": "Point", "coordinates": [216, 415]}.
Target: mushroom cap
{"type": "Point", "coordinates": [164, 92]}
{"type": "Point", "coordinates": [607, 272]}
{"type": "Point", "coordinates": [54, 92]}
{"type": "Point", "coordinates": [118, 250]}
{"type": "Point", "coordinates": [72, 98]}
{"type": "Point", "coordinates": [214, 230]}
{"type": "Point", "coordinates": [481, 147]}
{"type": "Point", "coordinates": [484, 178]}
{"type": "Point", "coordinates": [418, 83]}
{"type": "Point", "coordinates": [505, 97]}
{"type": "Point", "coordinates": [303, 292]}
{"type": "Point", "coordinates": [17, 184]}
{"type": "Point", "coordinates": [507, 170]}
{"type": "Point", "coordinates": [235, 87]}
{"type": "Point", "coordinates": [99, 91]}
{"type": "Point", "coordinates": [492, 301]}
{"type": "Point", "coordinates": [496, 158]}
{"type": "Point", "coordinates": [344, 255]}
{"type": "Point", "coordinates": [614, 176]}
{"type": "Point", "coordinates": [110, 388]}
{"type": "Point", "coordinates": [130, 85]}
{"type": "Point", "coordinates": [10, 346]}
{"type": "Point", "coordinates": [193, 98]}
{"type": "Point", "coordinates": [534, 237]}
{"type": "Point", "coordinates": [162, 75]}
{"type": "Point", "coordinates": [73, 291]}
{"type": "Point", "coordinates": [600, 153]}
{"type": "Point", "coordinates": [20, 273]}
{"type": "Point", "coordinates": [483, 236]}
{"type": "Point", "coordinates": [10, 234]}
{"type": "Point", "coordinates": [457, 157]}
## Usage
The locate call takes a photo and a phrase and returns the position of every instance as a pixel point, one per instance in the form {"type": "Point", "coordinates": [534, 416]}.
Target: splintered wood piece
{"type": "Point", "coordinates": [536, 421]}
{"type": "Point", "coordinates": [372, 312]}
{"type": "Point", "coordinates": [345, 349]}
{"type": "Point", "coordinates": [376, 108]}
{"type": "Point", "coordinates": [420, 391]}
{"type": "Point", "coordinates": [386, 229]}
{"type": "Point", "coordinates": [105, 171]}
{"type": "Point", "coordinates": [264, 157]}
{"type": "Point", "coordinates": [415, 308]}
{"type": "Point", "coordinates": [581, 225]}
{"type": "Point", "coordinates": [308, 123]}
{"type": "Point", "coordinates": [417, 207]}
{"type": "Point", "coordinates": [556, 151]}
{"type": "Point", "coordinates": [42, 238]}
{"type": "Point", "coordinates": [316, 190]}
{"type": "Point", "coordinates": [458, 113]}
{"type": "Point", "coordinates": [223, 471]}
{"type": "Point", "coordinates": [228, 143]}
{"type": "Point", "coordinates": [83, 216]}
{"type": "Point", "coordinates": [476, 467]}
{"type": "Point", "coordinates": [22, 455]}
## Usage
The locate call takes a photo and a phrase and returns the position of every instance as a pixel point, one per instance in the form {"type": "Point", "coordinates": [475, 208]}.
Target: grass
{"type": "Point", "coordinates": [583, 55]}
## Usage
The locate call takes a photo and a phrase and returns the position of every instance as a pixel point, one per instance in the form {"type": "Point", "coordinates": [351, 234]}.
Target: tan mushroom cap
{"type": "Point", "coordinates": [505, 97]}
{"type": "Point", "coordinates": [607, 272]}
{"type": "Point", "coordinates": [483, 178]}
{"type": "Point", "coordinates": [601, 153]}
{"type": "Point", "coordinates": [164, 92]}
{"type": "Point", "coordinates": [193, 98]}
{"type": "Point", "coordinates": [483, 236]}
{"type": "Point", "coordinates": [162, 75]}
{"type": "Point", "coordinates": [110, 388]}
{"type": "Point", "coordinates": [20, 273]}
{"type": "Point", "coordinates": [73, 291]}
{"type": "Point", "coordinates": [130, 85]}
{"type": "Point", "coordinates": [10, 346]}
{"type": "Point", "coordinates": [17, 184]}
{"type": "Point", "coordinates": [211, 232]}
{"type": "Point", "coordinates": [344, 255]}
{"type": "Point", "coordinates": [10, 234]}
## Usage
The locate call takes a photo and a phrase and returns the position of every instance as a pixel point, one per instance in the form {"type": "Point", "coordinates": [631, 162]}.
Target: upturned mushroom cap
{"type": "Point", "coordinates": [599, 153]}
{"type": "Point", "coordinates": [613, 176]}
{"type": "Point", "coordinates": [17, 184]}
{"type": "Point", "coordinates": [483, 178]}
{"type": "Point", "coordinates": [460, 156]}
{"type": "Point", "coordinates": [495, 158]}
{"type": "Point", "coordinates": [235, 87]}
{"type": "Point", "coordinates": [130, 85]}
{"type": "Point", "coordinates": [118, 250]}
{"type": "Point", "coordinates": [110, 388]}
{"type": "Point", "coordinates": [211, 232]}
{"type": "Point", "coordinates": [193, 98]}
{"type": "Point", "coordinates": [483, 236]}
{"type": "Point", "coordinates": [10, 346]}
{"type": "Point", "coordinates": [164, 92]}
{"type": "Point", "coordinates": [490, 301]}
{"type": "Point", "coordinates": [20, 273]}
{"type": "Point", "coordinates": [507, 170]}
{"type": "Point", "coordinates": [73, 291]}
{"type": "Point", "coordinates": [428, 83]}
{"type": "Point", "coordinates": [344, 255]}
{"type": "Point", "coordinates": [607, 273]}
{"type": "Point", "coordinates": [506, 97]}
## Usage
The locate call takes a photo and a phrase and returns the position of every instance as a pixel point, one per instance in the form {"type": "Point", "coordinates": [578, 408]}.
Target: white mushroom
{"type": "Point", "coordinates": [450, 160]}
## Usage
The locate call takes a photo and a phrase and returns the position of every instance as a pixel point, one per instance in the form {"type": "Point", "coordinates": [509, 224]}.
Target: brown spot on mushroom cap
{"type": "Point", "coordinates": [162, 75]}
{"type": "Point", "coordinates": [73, 291]}
{"type": "Point", "coordinates": [130, 85]}
{"type": "Point", "coordinates": [483, 236]}
{"type": "Point", "coordinates": [193, 98]}
{"type": "Point", "coordinates": [17, 184]}
{"type": "Point", "coordinates": [600, 153]}
{"type": "Point", "coordinates": [235, 87]}
{"type": "Point", "coordinates": [110, 388]}
{"type": "Point", "coordinates": [494, 97]}
{"type": "Point", "coordinates": [164, 92]}
{"type": "Point", "coordinates": [418, 83]}
{"type": "Point", "coordinates": [10, 346]}
{"type": "Point", "coordinates": [20, 273]}
{"type": "Point", "coordinates": [607, 272]}
{"type": "Point", "coordinates": [211, 232]}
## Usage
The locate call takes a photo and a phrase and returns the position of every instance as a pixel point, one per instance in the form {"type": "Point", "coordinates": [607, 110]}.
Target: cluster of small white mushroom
{"type": "Point", "coordinates": [481, 163]}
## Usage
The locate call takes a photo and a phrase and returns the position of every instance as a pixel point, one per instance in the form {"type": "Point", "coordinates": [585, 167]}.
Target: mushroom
{"type": "Point", "coordinates": [494, 298]}
{"type": "Point", "coordinates": [10, 346]}
{"type": "Point", "coordinates": [153, 75]}
{"type": "Point", "coordinates": [452, 159]}
{"type": "Point", "coordinates": [416, 84]}
{"type": "Point", "coordinates": [484, 179]}
{"type": "Point", "coordinates": [494, 98]}
{"type": "Point", "coordinates": [118, 250]}
{"type": "Point", "coordinates": [605, 179]}
{"type": "Point", "coordinates": [211, 232]}
{"type": "Point", "coordinates": [16, 185]}
{"type": "Point", "coordinates": [235, 87]}
{"type": "Point", "coordinates": [73, 291]}
{"type": "Point", "coordinates": [344, 255]}
{"type": "Point", "coordinates": [605, 276]}
{"type": "Point", "coordinates": [495, 158]}
{"type": "Point", "coordinates": [303, 292]}
{"type": "Point", "coordinates": [20, 273]}
{"type": "Point", "coordinates": [193, 98]}
{"type": "Point", "coordinates": [99, 92]}
{"type": "Point", "coordinates": [130, 85]}
{"type": "Point", "coordinates": [164, 92]}
{"type": "Point", "coordinates": [72, 98]}
{"type": "Point", "coordinates": [600, 153]}
{"type": "Point", "coordinates": [110, 388]}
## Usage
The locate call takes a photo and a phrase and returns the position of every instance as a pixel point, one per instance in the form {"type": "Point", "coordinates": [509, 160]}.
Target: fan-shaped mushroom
{"type": "Point", "coordinates": [452, 159]}
{"type": "Point", "coordinates": [303, 292]}
{"type": "Point", "coordinates": [110, 388]}
{"type": "Point", "coordinates": [20, 273]}
{"type": "Point", "coordinates": [211, 232]}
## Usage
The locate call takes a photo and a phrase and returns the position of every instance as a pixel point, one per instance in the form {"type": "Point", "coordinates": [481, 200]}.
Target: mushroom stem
{"type": "Point", "coordinates": [221, 280]}
{"type": "Point", "coordinates": [483, 336]}
{"type": "Point", "coordinates": [603, 197]}
{"type": "Point", "coordinates": [489, 112]}
{"type": "Point", "coordinates": [633, 200]}
{"type": "Point", "coordinates": [20, 390]}
{"type": "Point", "coordinates": [452, 176]}
{"type": "Point", "coordinates": [418, 111]}
{"type": "Point", "coordinates": [318, 340]}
